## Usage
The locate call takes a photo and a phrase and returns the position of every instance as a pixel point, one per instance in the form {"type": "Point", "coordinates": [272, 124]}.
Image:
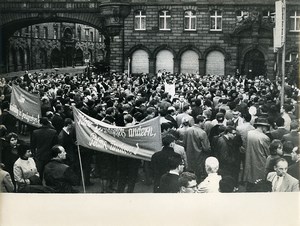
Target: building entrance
{"type": "Point", "coordinates": [254, 64]}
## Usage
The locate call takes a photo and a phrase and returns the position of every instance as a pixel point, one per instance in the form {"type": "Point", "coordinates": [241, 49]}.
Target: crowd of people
{"type": "Point", "coordinates": [218, 133]}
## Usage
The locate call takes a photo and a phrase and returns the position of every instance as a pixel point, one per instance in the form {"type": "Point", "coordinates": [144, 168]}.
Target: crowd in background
{"type": "Point", "coordinates": [218, 133]}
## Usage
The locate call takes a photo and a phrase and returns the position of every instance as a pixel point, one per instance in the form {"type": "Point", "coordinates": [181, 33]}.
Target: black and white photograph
{"type": "Point", "coordinates": [110, 110]}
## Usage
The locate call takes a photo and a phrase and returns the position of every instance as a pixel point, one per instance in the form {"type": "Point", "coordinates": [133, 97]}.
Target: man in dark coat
{"type": "Point", "coordinates": [294, 169]}
{"type": "Point", "coordinates": [280, 131]}
{"type": "Point", "coordinates": [159, 160]}
{"type": "Point", "coordinates": [169, 181]}
{"type": "Point", "coordinates": [58, 175]}
{"type": "Point", "coordinates": [227, 152]}
{"type": "Point", "coordinates": [42, 140]}
{"type": "Point", "coordinates": [197, 148]}
{"type": "Point", "coordinates": [292, 136]}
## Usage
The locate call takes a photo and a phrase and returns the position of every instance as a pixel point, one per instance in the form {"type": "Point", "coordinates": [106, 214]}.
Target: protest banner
{"type": "Point", "coordinates": [139, 141]}
{"type": "Point", "coordinates": [25, 106]}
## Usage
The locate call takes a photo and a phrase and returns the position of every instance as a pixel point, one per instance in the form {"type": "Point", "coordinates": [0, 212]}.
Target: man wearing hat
{"type": "Point", "coordinates": [257, 152]}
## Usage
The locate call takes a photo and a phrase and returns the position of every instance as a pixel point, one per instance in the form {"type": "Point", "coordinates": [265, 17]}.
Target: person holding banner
{"type": "Point", "coordinates": [159, 160]}
{"type": "Point", "coordinates": [42, 140]}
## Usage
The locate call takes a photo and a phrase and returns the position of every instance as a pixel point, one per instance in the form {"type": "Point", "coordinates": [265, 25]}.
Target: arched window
{"type": "Point", "coordinates": [140, 20]}
{"type": "Point", "coordinates": [140, 62]}
{"type": "Point", "coordinates": [190, 20]}
{"type": "Point", "coordinates": [215, 64]}
{"type": "Point", "coordinates": [189, 62]}
{"type": "Point", "coordinates": [165, 61]}
{"type": "Point", "coordinates": [164, 20]}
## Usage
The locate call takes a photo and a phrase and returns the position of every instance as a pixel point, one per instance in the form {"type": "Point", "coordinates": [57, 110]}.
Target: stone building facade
{"type": "Point", "coordinates": [205, 37]}
{"type": "Point", "coordinates": [50, 45]}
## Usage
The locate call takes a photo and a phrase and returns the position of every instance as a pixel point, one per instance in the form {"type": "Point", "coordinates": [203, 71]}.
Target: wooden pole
{"type": "Point", "coordinates": [80, 163]}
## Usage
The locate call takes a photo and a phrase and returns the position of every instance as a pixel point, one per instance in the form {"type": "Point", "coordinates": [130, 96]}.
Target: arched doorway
{"type": "Point", "coordinates": [43, 58]}
{"type": "Point", "coordinates": [56, 58]}
{"type": "Point", "coordinates": [22, 59]}
{"type": "Point", "coordinates": [79, 57]}
{"type": "Point", "coordinates": [12, 59]}
{"type": "Point", "coordinates": [254, 64]}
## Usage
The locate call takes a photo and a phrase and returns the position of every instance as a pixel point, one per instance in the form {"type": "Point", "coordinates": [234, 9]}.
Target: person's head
{"type": "Point", "coordinates": [168, 140]}
{"type": "Point", "coordinates": [128, 118]}
{"type": "Point", "coordinates": [276, 147]}
{"type": "Point", "coordinates": [211, 165]}
{"type": "Point", "coordinates": [24, 151]}
{"type": "Point", "coordinates": [12, 138]}
{"type": "Point", "coordinates": [280, 122]}
{"type": "Point", "coordinates": [294, 125]}
{"type": "Point", "coordinates": [187, 182]}
{"type": "Point", "coordinates": [199, 119]}
{"type": "Point", "coordinates": [247, 117]}
{"type": "Point", "coordinates": [288, 147]}
{"type": "Point", "coordinates": [58, 151]}
{"type": "Point", "coordinates": [175, 162]}
{"type": "Point", "coordinates": [281, 167]}
{"type": "Point", "coordinates": [3, 130]}
{"type": "Point", "coordinates": [187, 108]}
{"type": "Point", "coordinates": [220, 117]}
{"type": "Point", "coordinates": [230, 132]}
{"type": "Point", "coordinates": [68, 123]}
{"type": "Point", "coordinates": [295, 154]}
{"type": "Point", "coordinates": [235, 113]}
{"type": "Point", "coordinates": [44, 121]}
{"type": "Point", "coordinates": [262, 124]}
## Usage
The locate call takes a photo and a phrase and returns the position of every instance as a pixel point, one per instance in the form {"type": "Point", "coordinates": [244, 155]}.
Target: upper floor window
{"type": "Point", "coordinates": [216, 20]}
{"type": "Point", "coordinates": [92, 36]}
{"type": "Point", "coordinates": [79, 33]}
{"type": "Point", "coordinates": [86, 33]}
{"type": "Point", "coordinates": [241, 15]}
{"type": "Point", "coordinates": [55, 33]}
{"type": "Point", "coordinates": [190, 20]}
{"type": "Point", "coordinates": [267, 14]}
{"type": "Point", "coordinates": [291, 57]}
{"type": "Point", "coordinates": [295, 21]}
{"type": "Point", "coordinates": [165, 20]}
{"type": "Point", "coordinates": [37, 34]}
{"type": "Point", "coordinates": [45, 32]}
{"type": "Point", "coordinates": [140, 20]}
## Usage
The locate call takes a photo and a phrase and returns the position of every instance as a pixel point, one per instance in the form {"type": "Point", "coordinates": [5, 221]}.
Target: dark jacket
{"type": "Point", "coordinates": [42, 140]}
{"type": "Point", "coordinates": [60, 177]}
{"type": "Point", "coordinates": [169, 183]}
{"type": "Point", "coordinates": [159, 164]}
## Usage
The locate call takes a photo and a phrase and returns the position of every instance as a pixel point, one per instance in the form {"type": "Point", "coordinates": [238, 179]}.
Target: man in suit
{"type": "Point", "coordinates": [281, 180]}
{"type": "Point", "coordinates": [292, 136]}
{"type": "Point", "coordinates": [42, 140]}
{"type": "Point", "coordinates": [280, 131]}
{"type": "Point", "coordinates": [294, 169]}
{"type": "Point", "coordinates": [169, 181]}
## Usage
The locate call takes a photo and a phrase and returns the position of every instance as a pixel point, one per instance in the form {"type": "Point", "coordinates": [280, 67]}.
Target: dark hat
{"type": "Point", "coordinates": [261, 122]}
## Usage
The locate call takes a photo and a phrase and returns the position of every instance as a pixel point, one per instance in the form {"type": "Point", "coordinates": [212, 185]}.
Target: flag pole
{"type": "Point", "coordinates": [81, 171]}
{"type": "Point", "coordinates": [283, 52]}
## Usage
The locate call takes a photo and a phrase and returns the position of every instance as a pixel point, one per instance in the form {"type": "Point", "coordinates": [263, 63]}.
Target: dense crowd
{"type": "Point", "coordinates": [218, 132]}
